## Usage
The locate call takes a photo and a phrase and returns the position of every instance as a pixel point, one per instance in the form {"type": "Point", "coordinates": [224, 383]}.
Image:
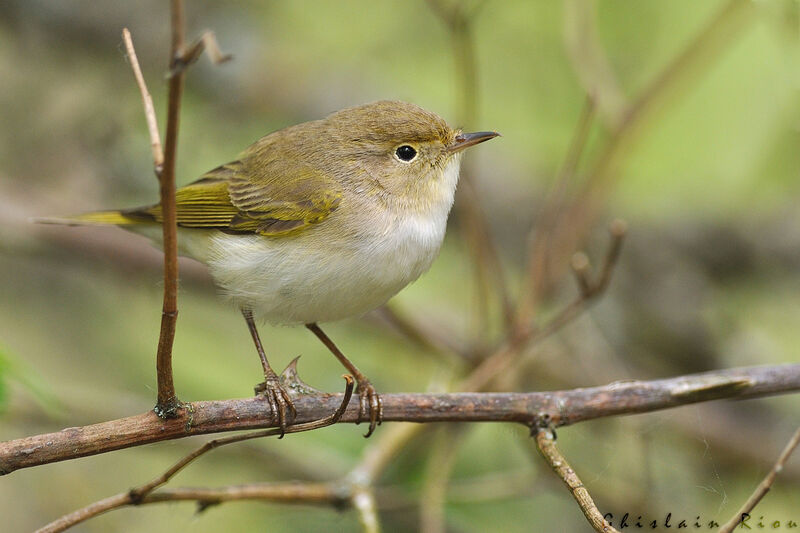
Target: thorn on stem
{"type": "Point", "coordinates": [290, 378]}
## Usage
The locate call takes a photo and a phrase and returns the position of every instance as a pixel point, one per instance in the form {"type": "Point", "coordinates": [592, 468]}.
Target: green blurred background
{"type": "Point", "coordinates": [705, 169]}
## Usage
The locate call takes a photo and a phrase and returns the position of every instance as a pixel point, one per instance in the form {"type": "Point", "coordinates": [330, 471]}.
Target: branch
{"type": "Point", "coordinates": [168, 403]}
{"type": "Point", "coordinates": [147, 102]}
{"type": "Point", "coordinates": [525, 335]}
{"type": "Point", "coordinates": [142, 493]}
{"type": "Point", "coordinates": [473, 224]}
{"type": "Point", "coordinates": [540, 236]}
{"type": "Point", "coordinates": [546, 442]}
{"type": "Point", "coordinates": [590, 61]}
{"type": "Point", "coordinates": [420, 331]}
{"type": "Point", "coordinates": [363, 500]}
{"type": "Point", "coordinates": [292, 492]}
{"type": "Point", "coordinates": [763, 487]}
{"type": "Point", "coordinates": [441, 462]}
{"type": "Point", "coordinates": [559, 407]}
{"type": "Point", "coordinates": [208, 43]}
{"type": "Point", "coordinates": [707, 45]}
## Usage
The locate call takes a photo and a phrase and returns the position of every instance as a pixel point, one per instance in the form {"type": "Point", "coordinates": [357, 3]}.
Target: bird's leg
{"type": "Point", "coordinates": [368, 396]}
{"type": "Point", "coordinates": [273, 391]}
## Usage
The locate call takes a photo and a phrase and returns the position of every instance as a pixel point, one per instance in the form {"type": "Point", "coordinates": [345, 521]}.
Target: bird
{"type": "Point", "coordinates": [317, 222]}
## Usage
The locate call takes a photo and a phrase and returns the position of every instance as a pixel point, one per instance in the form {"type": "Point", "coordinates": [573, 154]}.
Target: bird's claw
{"type": "Point", "coordinates": [280, 403]}
{"type": "Point", "coordinates": [369, 400]}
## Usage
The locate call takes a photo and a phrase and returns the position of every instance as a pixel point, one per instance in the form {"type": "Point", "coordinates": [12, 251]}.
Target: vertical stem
{"type": "Point", "coordinates": [472, 220]}
{"type": "Point", "coordinates": [711, 42]}
{"type": "Point", "coordinates": [167, 400]}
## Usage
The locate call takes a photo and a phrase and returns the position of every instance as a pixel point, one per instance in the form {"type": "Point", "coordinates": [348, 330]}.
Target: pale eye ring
{"type": "Point", "coordinates": [405, 153]}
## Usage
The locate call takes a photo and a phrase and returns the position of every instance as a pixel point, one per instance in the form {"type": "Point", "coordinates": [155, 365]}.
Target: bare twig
{"type": "Point", "coordinates": [590, 62]}
{"type": "Point", "coordinates": [363, 500]}
{"type": "Point", "coordinates": [164, 165]}
{"type": "Point", "coordinates": [441, 461]}
{"type": "Point", "coordinates": [207, 42]}
{"type": "Point", "coordinates": [710, 41]}
{"type": "Point", "coordinates": [764, 486]}
{"type": "Point", "coordinates": [546, 442]}
{"type": "Point", "coordinates": [334, 494]}
{"type": "Point", "coordinates": [542, 231]}
{"type": "Point", "coordinates": [428, 338]}
{"type": "Point", "coordinates": [168, 403]}
{"type": "Point", "coordinates": [296, 428]}
{"type": "Point", "coordinates": [457, 19]}
{"type": "Point", "coordinates": [563, 407]}
{"type": "Point", "coordinates": [141, 494]}
{"type": "Point", "coordinates": [147, 102]}
{"type": "Point", "coordinates": [290, 492]}
{"type": "Point", "coordinates": [511, 350]}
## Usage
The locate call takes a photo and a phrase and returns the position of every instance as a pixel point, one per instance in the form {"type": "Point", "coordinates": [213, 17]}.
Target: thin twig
{"type": "Point", "coordinates": [546, 443]}
{"type": "Point", "coordinates": [710, 41]}
{"type": "Point", "coordinates": [441, 461]}
{"type": "Point", "coordinates": [590, 61]}
{"type": "Point", "coordinates": [541, 233]}
{"type": "Point", "coordinates": [143, 490]}
{"type": "Point", "coordinates": [290, 492]}
{"type": "Point", "coordinates": [363, 501]}
{"type": "Point", "coordinates": [147, 102]}
{"type": "Point", "coordinates": [563, 407]}
{"type": "Point", "coordinates": [142, 493]}
{"type": "Point", "coordinates": [512, 349]}
{"type": "Point", "coordinates": [763, 488]}
{"type": "Point", "coordinates": [392, 440]}
{"type": "Point", "coordinates": [167, 404]}
{"type": "Point", "coordinates": [429, 338]}
{"type": "Point", "coordinates": [208, 43]}
{"type": "Point", "coordinates": [474, 226]}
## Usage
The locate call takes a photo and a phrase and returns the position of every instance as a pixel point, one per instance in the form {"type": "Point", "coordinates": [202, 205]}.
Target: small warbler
{"type": "Point", "coordinates": [318, 222]}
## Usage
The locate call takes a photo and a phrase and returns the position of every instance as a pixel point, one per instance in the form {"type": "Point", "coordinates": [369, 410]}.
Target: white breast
{"type": "Point", "coordinates": [297, 280]}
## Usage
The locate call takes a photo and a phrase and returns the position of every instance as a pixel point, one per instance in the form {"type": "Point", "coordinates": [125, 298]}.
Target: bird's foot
{"type": "Point", "coordinates": [279, 400]}
{"type": "Point", "coordinates": [369, 400]}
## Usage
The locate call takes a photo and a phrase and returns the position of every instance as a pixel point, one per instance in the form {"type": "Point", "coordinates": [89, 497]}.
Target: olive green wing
{"type": "Point", "coordinates": [228, 198]}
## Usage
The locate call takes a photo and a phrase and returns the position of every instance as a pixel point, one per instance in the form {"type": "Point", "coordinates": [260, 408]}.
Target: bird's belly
{"type": "Point", "coordinates": [284, 282]}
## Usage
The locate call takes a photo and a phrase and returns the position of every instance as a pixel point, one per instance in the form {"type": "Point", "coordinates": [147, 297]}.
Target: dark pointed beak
{"type": "Point", "coordinates": [465, 140]}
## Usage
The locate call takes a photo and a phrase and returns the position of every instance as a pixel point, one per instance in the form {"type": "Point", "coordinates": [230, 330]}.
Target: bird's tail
{"type": "Point", "coordinates": [97, 218]}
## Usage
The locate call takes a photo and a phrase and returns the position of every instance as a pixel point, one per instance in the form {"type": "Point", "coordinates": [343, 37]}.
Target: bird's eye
{"type": "Point", "coordinates": [405, 153]}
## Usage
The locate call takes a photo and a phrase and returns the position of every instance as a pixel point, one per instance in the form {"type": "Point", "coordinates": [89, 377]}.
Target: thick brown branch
{"type": "Point", "coordinates": [142, 494]}
{"type": "Point", "coordinates": [559, 407]}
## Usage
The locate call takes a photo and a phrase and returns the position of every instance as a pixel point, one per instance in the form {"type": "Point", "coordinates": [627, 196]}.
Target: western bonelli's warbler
{"type": "Point", "coordinates": [319, 221]}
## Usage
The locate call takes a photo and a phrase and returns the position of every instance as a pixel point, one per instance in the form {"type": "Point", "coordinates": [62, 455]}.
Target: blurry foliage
{"type": "Point", "coordinates": [3, 384]}
{"type": "Point", "coordinates": [708, 279]}
{"type": "Point", "coordinates": [12, 371]}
